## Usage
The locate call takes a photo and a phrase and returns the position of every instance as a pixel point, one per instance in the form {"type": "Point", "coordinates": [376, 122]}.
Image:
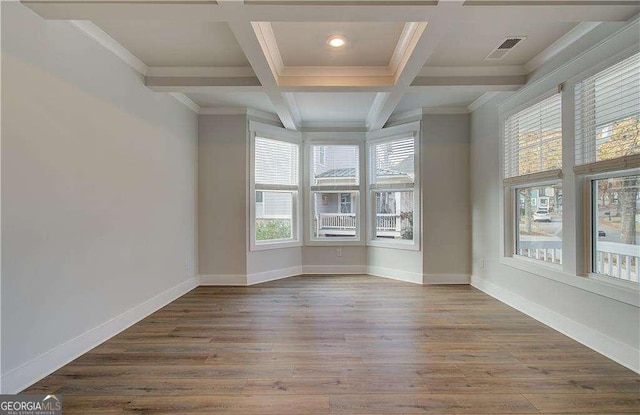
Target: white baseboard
{"type": "Point", "coordinates": [333, 269]}
{"type": "Point", "coordinates": [273, 275]}
{"type": "Point", "coordinates": [236, 280]}
{"type": "Point", "coordinates": [23, 376]}
{"type": "Point", "coordinates": [395, 274]}
{"type": "Point", "coordinates": [596, 340]}
{"type": "Point", "coordinates": [437, 279]}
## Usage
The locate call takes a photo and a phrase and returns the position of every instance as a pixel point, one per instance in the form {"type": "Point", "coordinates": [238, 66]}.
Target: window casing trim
{"type": "Point", "coordinates": [257, 129]}
{"type": "Point", "coordinates": [412, 129]}
{"type": "Point", "coordinates": [333, 139]}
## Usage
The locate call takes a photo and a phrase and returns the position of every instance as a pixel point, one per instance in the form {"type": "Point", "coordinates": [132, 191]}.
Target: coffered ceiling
{"type": "Point", "coordinates": [272, 55]}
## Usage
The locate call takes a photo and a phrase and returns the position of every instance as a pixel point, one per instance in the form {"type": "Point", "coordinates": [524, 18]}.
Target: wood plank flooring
{"type": "Point", "coordinates": [342, 345]}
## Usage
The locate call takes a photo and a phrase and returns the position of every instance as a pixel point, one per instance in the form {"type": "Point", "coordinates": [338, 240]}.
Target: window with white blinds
{"type": "Point", "coordinates": [276, 163]}
{"type": "Point", "coordinates": [393, 191]}
{"type": "Point", "coordinates": [275, 183]}
{"type": "Point", "coordinates": [533, 139]}
{"type": "Point", "coordinates": [392, 163]}
{"type": "Point", "coordinates": [335, 165]}
{"type": "Point", "coordinates": [607, 108]}
{"type": "Point", "coordinates": [334, 192]}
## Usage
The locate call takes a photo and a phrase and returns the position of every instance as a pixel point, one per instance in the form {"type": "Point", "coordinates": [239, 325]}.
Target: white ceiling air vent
{"type": "Point", "coordinates": [505, 47]}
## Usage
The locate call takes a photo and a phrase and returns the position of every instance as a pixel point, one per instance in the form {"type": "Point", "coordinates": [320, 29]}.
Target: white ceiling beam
{"type": "Point", "coordinates": [386, 103]}
{"type": "Point", "coordinates": [246, 36]}
{"type": "Point", "coordinates": [210, 11]}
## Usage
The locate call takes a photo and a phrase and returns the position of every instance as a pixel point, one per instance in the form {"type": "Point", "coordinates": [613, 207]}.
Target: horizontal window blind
{"type": "Point", "coordinates": [607, 111]}
{"type": "Point", "coordinates": [533, 139]}
{"type": "Point", "coordinates": [335, 165]}
{"type": "Point", "coordinates": [392, 162]}
{"type": "Point", "coordinates": [276, 162]}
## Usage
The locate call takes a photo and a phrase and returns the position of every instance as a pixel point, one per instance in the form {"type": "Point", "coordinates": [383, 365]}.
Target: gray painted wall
{"type": "Point", "coordinates": [222, 191]}
{"type": "Point", "coordinates": [446, 218]}
{"type": "Point", "coordinates": [98, 186]}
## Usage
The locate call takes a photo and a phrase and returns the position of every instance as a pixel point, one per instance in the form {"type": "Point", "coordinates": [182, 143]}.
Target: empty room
{"type": "Point", "coordinates": [320, 207]}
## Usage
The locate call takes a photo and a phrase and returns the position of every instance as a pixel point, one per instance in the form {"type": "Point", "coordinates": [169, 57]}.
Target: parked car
{"type": "Point", "coordinates": [602, 233]}
{"type": "Point", "coordinates": [542, 215]}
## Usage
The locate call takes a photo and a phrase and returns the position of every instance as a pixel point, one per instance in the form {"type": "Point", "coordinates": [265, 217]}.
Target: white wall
{"type": "Point", "coordinates": [599, 315]}
{"type": "Point", "coordinates": [446, 215]}
{"type": "Point", "coordinates": [98, 195]}
{"type": "Point", "coordinates": [222, 191]}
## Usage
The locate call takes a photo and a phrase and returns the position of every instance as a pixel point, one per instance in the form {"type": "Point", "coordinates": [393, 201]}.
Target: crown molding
{"type": "Point", "coordinates": [630, 26]}
{"type": "Point", "coordinates": [188, 102]}
{"type": "Point", "coordinates": [482, 99]}
{"type": "Point", "coordinates": [472, 71]}
{"type": "Point", "coordinates": [201, 72]}
{"type": "Point", "coordinates": [445, 110]}
{"type": "Point", "coordinates": [223, 111]}
{"type": "Point", "coordinates": [559, 45]}
{"type": "Point", "coordinates": [338, 75]}
{"type": "Point", "coordinates": [100, 36]}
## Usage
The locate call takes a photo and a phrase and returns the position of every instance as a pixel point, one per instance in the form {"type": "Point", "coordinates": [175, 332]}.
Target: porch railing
{"type": "Point", "coordinates": [614, 259]}
{"type": "Point", "coordinates": [389, 223]}
{"type": "Point", "coordinates": [337, 221]}
{"type": "Point", "coordinates": [618, 260]}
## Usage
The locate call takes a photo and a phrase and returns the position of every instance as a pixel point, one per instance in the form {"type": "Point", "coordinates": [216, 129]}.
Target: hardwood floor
{"type": "Point", "coordinates": [343, 345]}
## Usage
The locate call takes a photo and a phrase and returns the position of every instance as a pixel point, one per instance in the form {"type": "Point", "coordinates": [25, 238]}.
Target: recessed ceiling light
{"type": "Point", "coordinates": [336, 41]}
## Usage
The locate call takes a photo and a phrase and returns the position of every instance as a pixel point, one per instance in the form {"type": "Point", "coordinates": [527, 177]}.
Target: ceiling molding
{"type": "Point", "coordinates": [186, 81]}
{"type": "Point", "coordinates": [404, 51]}
{"type": "Point", "coordinates": [470, 71]}
{"type": "Point", "coordinates": [445, 110]}
{"type": "Point", "coordinates": [206, 72]}
{"type": "Point", "coordinates": [290, 98]}
{"type": "Point", "coordinates": [333, 124]}
{"type": "Point", "coordinates": [482, 99]}
{"type": "Point", "coordinates": [337, 75]}
{"type": "Point", "coordinates": [100, 36]}
{"type": "Point", "coordinates": [514, 80]}
{"type": "Point", "coordinates": [410, 115]}
{"type": "Point", "coordinates": [559, 45]}
{"type": "Point", "coordinates": [314, 11]}
{"type": "Point", "coordinates": [632, 26]}
{"type": "Point", "coordinates": [550, 2]}
{"type": "Point", "coordinates": [267, 39]}
{"type": "Point", "coordinates": [247, 37]}
{"type": "Point", "coordinates": [188, 102]}
{"type": "Point", "coordinates": [111, 44]}
{"type": "Point", "coordinates": [223, 111]}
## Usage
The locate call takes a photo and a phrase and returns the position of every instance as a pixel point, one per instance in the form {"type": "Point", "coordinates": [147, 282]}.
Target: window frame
{"type": "Point", "coordinates": [311, 139]}
{"type": "Point", "coordinates": [584, 184]}
{"type": "Point", "coordinates": [577, 231]}
{"type": "Point", "coordinates": [404, 131]}
{"type": "Point", "coordinates": [270, 132]}
{"type": "Point", "coordinates": [510, 185]}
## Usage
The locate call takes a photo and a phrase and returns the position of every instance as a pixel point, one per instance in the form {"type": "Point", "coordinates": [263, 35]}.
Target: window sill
{"type": "Point", "coordinates": [334, 242]}
{"type": "Point", "coordinates": [274, 245]}
{"type": "Point", "coordinates": [406, 246]}
{"type": "Point", "coordinates": [628, 295]}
